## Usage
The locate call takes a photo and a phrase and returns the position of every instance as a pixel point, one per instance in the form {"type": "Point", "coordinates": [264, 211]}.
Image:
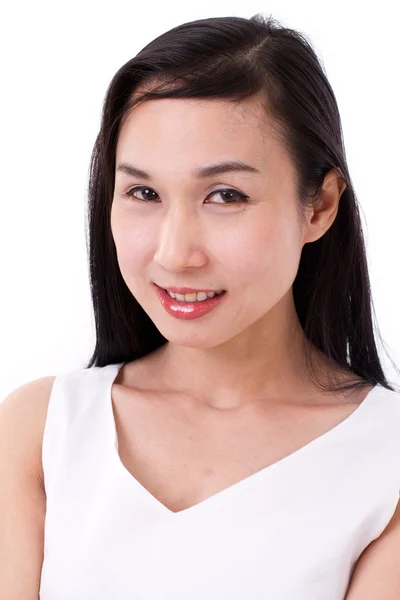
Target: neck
{"type": "Point", "coordinates": [264, 362]}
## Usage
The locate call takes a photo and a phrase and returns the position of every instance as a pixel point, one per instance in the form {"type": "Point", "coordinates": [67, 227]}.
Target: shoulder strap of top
{"type": "Point", "coordinates": [381, 436]}
{"type": "Point", "coordinates": [77, 419]}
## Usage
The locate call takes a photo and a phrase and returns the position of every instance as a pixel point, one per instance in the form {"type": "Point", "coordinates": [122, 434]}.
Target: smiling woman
{"type": "Point", "coordinates": [233, 434]}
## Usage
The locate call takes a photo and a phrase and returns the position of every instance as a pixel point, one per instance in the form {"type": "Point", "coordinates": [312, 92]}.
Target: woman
{"type": "Point", "coordinates": [233, 435]}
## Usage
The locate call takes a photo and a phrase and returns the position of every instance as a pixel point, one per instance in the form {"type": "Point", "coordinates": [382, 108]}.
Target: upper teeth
{"type": "Point", "coordinates": [195, 297]}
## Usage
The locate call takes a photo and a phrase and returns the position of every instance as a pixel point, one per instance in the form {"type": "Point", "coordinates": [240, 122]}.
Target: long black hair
{"type": "Point", "coordinates": [234, 58]}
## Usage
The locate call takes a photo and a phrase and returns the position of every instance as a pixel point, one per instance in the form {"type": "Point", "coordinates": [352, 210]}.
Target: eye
{"type": "Point", "coordinates": [141, 188]}
{"type": "Point", "coordinates": [231, 196]}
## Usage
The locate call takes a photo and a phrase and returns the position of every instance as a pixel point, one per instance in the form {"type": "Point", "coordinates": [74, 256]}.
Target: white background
{"type": "Point", "coordinates": [56, 62]}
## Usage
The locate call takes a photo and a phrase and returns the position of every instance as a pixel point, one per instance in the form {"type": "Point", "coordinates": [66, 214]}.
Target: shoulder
{"type": "Point", "coordinates": [22, 420]}
{"type": "Point", "coordinates": [24, 412]}
{"type": "Point", "coordinates": [377, 573]}
{"type": "Point", "coordinates": [28, 399]}
{"type": "Point", "coordinates": [22, 494]}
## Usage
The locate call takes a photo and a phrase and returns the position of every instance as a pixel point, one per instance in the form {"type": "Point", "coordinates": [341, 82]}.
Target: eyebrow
{"type": "Point", "coordinates": [199, 173]}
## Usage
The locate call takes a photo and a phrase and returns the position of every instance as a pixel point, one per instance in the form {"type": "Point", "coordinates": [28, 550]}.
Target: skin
{"type": "Point", "coordinates": [186, 236]}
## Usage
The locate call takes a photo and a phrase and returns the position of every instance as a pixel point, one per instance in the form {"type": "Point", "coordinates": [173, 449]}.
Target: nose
{"type": "Point", "coordinates": [179, 241]}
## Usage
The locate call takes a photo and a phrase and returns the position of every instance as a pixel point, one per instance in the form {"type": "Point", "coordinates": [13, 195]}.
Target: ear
{"type": "Point", "coordinates": [321, 216]}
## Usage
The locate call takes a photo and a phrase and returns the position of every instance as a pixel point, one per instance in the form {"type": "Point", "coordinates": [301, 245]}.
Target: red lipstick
{"type": "Point", "coordinates": [187, 310]}
{"type": "Point", "coordinates": [186, 290]}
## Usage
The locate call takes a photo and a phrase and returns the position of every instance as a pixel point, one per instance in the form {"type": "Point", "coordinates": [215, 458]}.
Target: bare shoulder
{"type": "Point", "coordinates": [22, 497]}
{"type": "Point", "coordinates": [377, 573]}
{"type": "Point", "coordinates": [23, 412]}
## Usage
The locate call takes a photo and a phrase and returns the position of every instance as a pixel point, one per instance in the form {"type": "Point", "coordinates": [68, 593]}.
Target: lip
{"type": "Point", "coordinates": [187, 310]}
{"type": "Point", "coordinates": [185, 290]}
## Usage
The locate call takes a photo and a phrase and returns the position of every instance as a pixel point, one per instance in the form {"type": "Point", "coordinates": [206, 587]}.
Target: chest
{"type": "Point", "coordinates": [183, 456]}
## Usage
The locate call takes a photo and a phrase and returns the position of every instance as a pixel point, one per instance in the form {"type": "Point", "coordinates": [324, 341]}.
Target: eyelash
{"type": "Point", "coordinates": [242, 198]}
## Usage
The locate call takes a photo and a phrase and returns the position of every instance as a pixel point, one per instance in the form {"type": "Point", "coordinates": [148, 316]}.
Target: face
{"type": "Point", "coordinates": [237, 231]}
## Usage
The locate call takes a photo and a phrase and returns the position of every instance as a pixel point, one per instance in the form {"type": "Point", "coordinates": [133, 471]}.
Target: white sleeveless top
{"type": "Point", "coordinates": [293, 530]}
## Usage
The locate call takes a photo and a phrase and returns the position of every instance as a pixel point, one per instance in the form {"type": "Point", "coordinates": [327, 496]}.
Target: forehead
{"type": "Point", "coordinates": [193, 124]}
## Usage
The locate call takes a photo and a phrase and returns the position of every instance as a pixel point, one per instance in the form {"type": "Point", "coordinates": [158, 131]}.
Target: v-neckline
{"type": "Point", "coordinates": [357, 412]}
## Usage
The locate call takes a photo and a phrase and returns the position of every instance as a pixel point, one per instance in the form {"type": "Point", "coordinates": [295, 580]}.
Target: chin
{"type": "Point", "coordinates": [190, 338]}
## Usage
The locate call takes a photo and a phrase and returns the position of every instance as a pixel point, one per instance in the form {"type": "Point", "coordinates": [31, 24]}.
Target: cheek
{"type": "Point", "coordinates": [265, 256]}
{"type": "Point", "coordinates": [133, 245]}
{"type": "Point", "coordinates": [130, 238]}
